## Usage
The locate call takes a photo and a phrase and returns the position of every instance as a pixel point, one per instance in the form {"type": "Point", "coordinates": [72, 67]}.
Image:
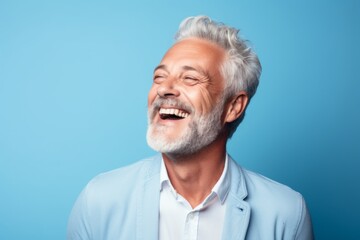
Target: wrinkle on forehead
{"type": "Point", "coordinates": [196, 54]}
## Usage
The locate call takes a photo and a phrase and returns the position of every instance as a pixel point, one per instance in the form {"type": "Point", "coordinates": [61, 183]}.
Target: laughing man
{"type": "Point", "coordinates": [193, 189]}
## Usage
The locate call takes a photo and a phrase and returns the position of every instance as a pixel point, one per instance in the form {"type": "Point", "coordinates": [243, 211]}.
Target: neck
{"type": "Point", "coordinates": [194, 176]}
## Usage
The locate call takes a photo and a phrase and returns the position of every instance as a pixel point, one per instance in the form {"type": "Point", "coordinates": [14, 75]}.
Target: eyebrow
{"type": "Point", "coordinates": [162, 66]}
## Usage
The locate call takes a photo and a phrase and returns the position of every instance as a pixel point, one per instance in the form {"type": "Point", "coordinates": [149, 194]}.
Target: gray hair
{"type": "Point", "coordinates": [241, 69]}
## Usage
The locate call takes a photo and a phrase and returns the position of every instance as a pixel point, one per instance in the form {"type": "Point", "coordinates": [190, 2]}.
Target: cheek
{"type": "Point", "coordinates": [202, 99]}
{"type": "Point", "coordinates": [152, 95]}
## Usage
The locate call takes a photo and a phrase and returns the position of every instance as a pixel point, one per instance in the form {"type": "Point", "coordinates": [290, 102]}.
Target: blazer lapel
{"type": "Point", "coordinates": [148, 202]}
{"type": "Point", "coordinates": [236, 221]}
{"type": "Point", "coordinates": [237, 214]}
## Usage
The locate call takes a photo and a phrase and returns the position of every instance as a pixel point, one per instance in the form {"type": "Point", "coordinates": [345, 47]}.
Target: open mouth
{"type": "Point", "coordinates": [172, 114]}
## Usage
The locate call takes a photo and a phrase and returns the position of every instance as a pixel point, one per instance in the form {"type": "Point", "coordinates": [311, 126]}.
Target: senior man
{"type": "Point", "coordinates": [193, 189]}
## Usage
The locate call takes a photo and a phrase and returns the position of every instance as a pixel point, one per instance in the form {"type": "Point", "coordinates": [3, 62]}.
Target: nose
{"type": "Point", "coordinates": [168, 88]}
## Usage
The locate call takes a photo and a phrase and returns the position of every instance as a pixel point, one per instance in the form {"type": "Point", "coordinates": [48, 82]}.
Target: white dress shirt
{"type": "Point", "coordinates": [179, 221]}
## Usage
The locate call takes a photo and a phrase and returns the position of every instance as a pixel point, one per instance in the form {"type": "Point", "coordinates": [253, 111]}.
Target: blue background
{"type": "Point", "coordinates": [74, 77]}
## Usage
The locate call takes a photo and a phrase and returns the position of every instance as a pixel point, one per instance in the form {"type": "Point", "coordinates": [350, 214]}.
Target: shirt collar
{"type": "Point", "coordinates": [164, 178]}
{"type": "Point", "coordinates": [221, 188]}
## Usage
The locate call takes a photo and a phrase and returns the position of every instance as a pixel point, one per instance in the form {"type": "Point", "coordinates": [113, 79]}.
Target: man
{"type": "Point", "coordinates": [193, 189]}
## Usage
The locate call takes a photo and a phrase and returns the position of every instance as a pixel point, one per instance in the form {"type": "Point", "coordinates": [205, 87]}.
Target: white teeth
{"type": "Point", "coordinates": [173, 111]}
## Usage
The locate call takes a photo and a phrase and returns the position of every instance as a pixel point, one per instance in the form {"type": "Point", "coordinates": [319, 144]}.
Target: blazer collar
{"type": "Point", "coordinates": [237, 214]}
{"type": "Point", "coordinates": [148, 197]}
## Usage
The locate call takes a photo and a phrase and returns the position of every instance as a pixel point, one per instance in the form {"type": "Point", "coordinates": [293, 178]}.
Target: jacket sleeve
{"type": "Point", "coordinates": [304, 229]}
{"type": "Point", "coordinates": [78, 224]}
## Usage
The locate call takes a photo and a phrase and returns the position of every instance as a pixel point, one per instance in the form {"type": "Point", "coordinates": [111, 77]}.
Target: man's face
{"type": "Point", "coordinates": [185, 103]}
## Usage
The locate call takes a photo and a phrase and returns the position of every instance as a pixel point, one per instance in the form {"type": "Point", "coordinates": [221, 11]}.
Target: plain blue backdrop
{"type": "Point", "coordinates": [74, 77]}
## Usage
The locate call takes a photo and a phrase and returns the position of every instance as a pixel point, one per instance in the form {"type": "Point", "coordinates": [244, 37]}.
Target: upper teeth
{"type": "Point", "coordinates": [173, 111]}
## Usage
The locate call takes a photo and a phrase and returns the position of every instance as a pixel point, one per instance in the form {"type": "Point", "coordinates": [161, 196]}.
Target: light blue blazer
{"type": "Point", "coordinates": [123, 204]}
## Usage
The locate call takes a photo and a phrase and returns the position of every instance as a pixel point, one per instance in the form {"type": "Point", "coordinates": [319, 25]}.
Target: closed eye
{"type": "Point", "coordinates": [158, 78]}
{"type": "Point", "coordinates": [190, 80]}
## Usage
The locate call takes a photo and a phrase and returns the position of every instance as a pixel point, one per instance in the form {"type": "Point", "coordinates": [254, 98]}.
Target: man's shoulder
{"type": "Point", "coordinates": [272, 204]}
{"type": "Point", "coordinates": [260, 183]}
{"type": "Point", "coordinates": [261, 190]}
{"type": "Point", "coordinates": [127, 176]}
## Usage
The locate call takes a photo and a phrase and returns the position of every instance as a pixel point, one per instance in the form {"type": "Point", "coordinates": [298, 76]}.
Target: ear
{"type": "Point", "coordinates": [236, 106]}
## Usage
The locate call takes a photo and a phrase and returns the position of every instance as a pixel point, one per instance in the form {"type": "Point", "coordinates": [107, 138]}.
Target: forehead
{"type": "Point", "coordinates": [195, 51]}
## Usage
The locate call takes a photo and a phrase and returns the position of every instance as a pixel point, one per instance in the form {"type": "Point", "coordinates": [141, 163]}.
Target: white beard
{"type": "Point", "coordinates": [200, 132]}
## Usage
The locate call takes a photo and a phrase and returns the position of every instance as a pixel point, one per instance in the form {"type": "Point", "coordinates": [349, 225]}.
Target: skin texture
{"type": "Point", "coordinates": [190, 72]}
